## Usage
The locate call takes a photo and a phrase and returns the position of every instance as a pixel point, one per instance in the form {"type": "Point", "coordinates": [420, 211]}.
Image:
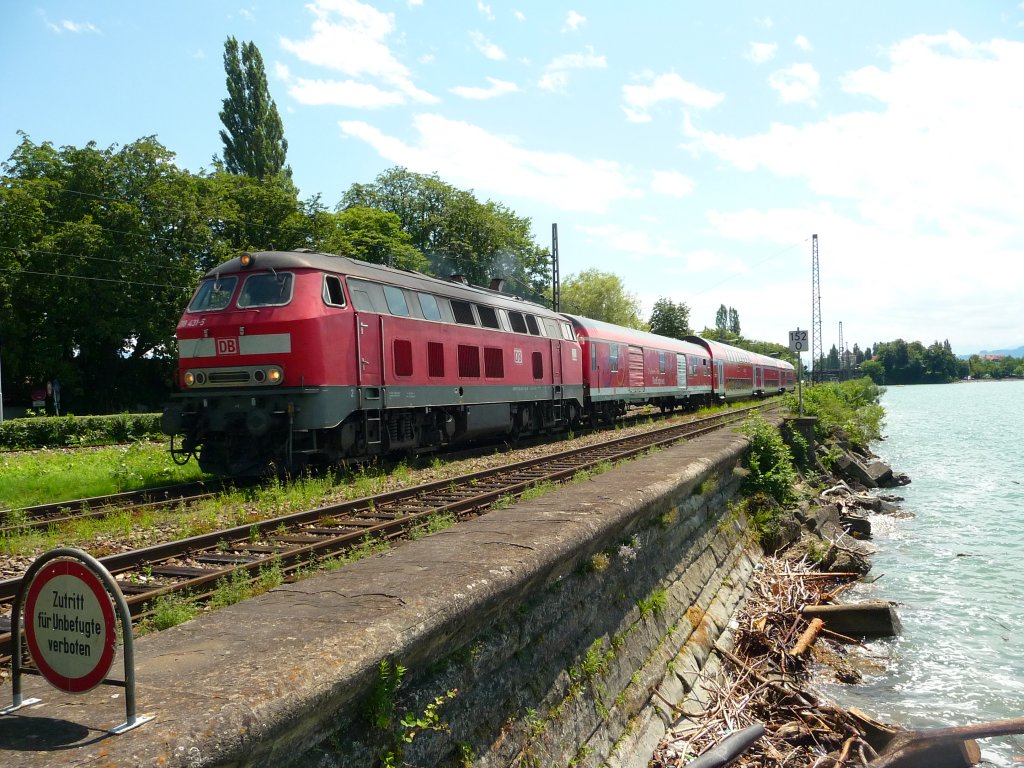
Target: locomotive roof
{"type": "Point", "coordinates": [327, 262]}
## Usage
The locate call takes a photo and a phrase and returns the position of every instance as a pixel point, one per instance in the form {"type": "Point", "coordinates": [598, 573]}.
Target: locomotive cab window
{"type": "Point", "coordinates": [333, 294]}
{"type": "Point", "coordinates": [266, 289]}
{"type": "Point", "coordinates": [531, 323]}
{"type": "Point", "coordinates": [366, 296]}
{"type": "Point", "coordinates": [567, 332]}
{"type": "Point", "coordinates": [213, 294]}
{"type": "Point", "coordinates": [551, 328]}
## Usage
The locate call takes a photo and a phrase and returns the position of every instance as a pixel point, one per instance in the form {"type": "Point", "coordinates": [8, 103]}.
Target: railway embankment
{"type": "Point", "coordinates": [561, 630]}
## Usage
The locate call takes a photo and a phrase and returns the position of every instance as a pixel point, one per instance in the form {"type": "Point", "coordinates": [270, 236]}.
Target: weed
{"type": "Point", "coordinates": [380, 709]}
{"type": "Point", "coordinates": [653, 604]}
{"type": "Point", "coordinates": [169, 611]}
{"type": "Point", "coordinates": [231, 589]}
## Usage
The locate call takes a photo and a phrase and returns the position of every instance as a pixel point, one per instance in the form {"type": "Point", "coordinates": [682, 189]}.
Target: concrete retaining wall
{"type": "Point", "coordinates": [552, 621]}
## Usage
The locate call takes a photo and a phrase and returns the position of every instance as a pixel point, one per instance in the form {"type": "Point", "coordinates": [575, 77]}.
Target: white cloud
{"type": "Point", "coordinates": [795, 84]}
{"type": "Point", "coordinates": [765, 22]}
{"type": "Point", "coordinates": [921, 202]}
{"type": "Point", "coordinates": [67, 25]}
{"type": "Point", "coordinates": [349, 37]}
{"type": "Point", "coordinates": [672, 183]}
{"type": "Point", "coordinates": [468, 156]}
{"type": "Point", "coordinates": [759, 53]}
{"type": "Point", "coordinates": [803, 43]}
{"type": "Point", "coordinates": [556, 75]}
{"type": "Point", "coordinates": [497, 88]}
{"type": "Point", "coordinates": [347, 93]}
{"type": "Point", "coordinates": [632, 241]}
{"type": "Point", "coordinates": [640, 99]}
{"type": "Point", "coordinates": [486, 47]}
{"type": "Point", "coordinates": [520, 16]}
{"type": "Point", "coordinates": [573, 21]}
{"type": "Point", "coordinates": [281, 71]}
{"type": "Point", "coordinates": [485, 10]}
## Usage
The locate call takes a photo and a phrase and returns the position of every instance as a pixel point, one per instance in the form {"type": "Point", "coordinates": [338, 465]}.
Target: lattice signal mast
{"type": "Point", "coordinates": [842, 357]}
{"type": "Point", "coordinates": [816, 349]}
{"type": "Point", "coordinates": [556, 288]}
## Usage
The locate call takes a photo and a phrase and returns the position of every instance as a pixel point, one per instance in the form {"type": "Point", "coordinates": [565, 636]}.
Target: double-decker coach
{"type": "Point", "coordinates": [624, 367]}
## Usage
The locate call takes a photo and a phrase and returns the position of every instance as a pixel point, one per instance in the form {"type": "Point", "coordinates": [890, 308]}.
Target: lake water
{"type": "Point", "coordinates": [954, 568]}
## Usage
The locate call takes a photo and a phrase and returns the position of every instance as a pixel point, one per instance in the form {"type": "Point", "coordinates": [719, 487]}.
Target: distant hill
{"type": "Point", "coordinates": [1018, 352]}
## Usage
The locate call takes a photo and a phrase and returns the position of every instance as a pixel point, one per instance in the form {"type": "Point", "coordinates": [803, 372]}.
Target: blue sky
{"type": "Point", "coordinates": [691, 148]}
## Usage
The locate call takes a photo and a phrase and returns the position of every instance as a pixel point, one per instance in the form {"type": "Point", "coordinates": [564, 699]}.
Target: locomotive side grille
{"type": "Point", "coordinates": [229, 377]}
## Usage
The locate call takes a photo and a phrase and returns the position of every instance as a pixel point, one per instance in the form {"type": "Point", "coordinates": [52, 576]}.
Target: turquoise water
{"type": "Point", "coordinates": [955, 567]}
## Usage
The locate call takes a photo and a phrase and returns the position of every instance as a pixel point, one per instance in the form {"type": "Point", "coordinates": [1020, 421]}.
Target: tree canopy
{"type": "Point", "coordinates": [458, 234]}
{"type": "Point", "coordinates": [670, 319]}
{"type": "Point", "coordinates": [254, 142]}
{"type": "Point", "coordinates": [600, 296]}
{"type": "Point", "coordinates": [901, 362]}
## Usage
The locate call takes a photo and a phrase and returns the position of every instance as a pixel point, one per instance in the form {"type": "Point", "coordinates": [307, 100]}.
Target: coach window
{"type": "Point", "coordinates": [213, 294]}
{"type": "Point", "coordinates": [661, 362]}
{"type": "Point", "coordinates": [333, 294]}
{"type": "Point", "coordinates": [266, 289]}
{"type": "Point", "coordinates": [395, 298]}
{"type": "Point", "coordinates": [488, 317]}
{"type": "Point", "coordinates": [463, 312]}
{"type": "Point", "coordinates": [593, 356]}
{"type": "Point", "coordinates": [613, 356]}
{"type": "Point", "coordinates": [517, 322]}
{"type": "Point", "coordinates": [429, 306]}
{"type": "Point", "coordinates": [551, 328]}
{"type": "Point", "coordinates": [531, 323]}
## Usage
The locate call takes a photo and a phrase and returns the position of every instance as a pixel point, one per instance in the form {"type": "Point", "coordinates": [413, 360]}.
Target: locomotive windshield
{"type": "Point", "coordinates": [267, 289]}
{"type": "Point", "coordinates": [214, 293]}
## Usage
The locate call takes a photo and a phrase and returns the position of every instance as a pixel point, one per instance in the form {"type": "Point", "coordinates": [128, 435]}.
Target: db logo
{"type": "Point", "coordinates": [227, 346]}
{"type": "Point", "coordinates": [517, 356]}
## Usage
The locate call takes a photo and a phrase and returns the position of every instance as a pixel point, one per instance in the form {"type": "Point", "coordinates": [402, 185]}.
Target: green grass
{"type": "Point", "coordinates": [51, 475]}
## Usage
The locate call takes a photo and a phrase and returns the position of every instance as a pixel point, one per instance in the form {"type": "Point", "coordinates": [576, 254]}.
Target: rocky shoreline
{"type": "Point", "coordinates": [762, 709]}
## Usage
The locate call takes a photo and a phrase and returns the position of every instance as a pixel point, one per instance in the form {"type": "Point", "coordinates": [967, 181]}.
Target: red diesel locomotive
{"type": "Point", "coordinates": [293, 358]}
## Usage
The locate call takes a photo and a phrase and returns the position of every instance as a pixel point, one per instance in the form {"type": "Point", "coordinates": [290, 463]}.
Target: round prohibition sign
{"type": "Point", "coordinates": [69, 626]}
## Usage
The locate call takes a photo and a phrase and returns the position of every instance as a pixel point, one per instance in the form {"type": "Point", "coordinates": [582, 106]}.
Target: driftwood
{"type": "Point", "coordinates": [908, 749]}
{"type": "Point", "coordinates": [807, 638]}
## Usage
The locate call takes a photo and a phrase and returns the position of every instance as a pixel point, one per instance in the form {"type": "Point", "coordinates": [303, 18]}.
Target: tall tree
{"type": "Point", "coordinates": [734, 322]}
{"type": "Point", "coordinates": [670, 319]}
{"type": "Point", "coordinates": [721, 321]}
{"type": "Point", "coordinates": [600, 296]}
{"type": "Point", "coordinates": [254, 143]}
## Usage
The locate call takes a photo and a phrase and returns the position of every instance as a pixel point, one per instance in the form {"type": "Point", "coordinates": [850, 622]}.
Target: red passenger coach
{"type": "Point", "coordinates": [739, 374]}
{"type": "Point", "coordinates": [297, 357]}
{"type": "Point", "coordinates": [624, 367]}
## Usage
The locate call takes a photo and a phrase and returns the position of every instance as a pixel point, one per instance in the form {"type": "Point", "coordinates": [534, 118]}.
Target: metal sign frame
{"type": "Point", "coordinates": [132, 720]}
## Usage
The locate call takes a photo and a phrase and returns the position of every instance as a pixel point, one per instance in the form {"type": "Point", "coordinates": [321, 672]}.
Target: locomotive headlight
{"type": "Point", "coordinates": [246, 260]}
{"type": "Point", "coordinates": [189, 378]}
{"type": "Point", "coordinates": [274, 375]}
{"type": "Point", "coordinates": [200, 377]}
{"type": "Point", "coordinates": [259, 376]}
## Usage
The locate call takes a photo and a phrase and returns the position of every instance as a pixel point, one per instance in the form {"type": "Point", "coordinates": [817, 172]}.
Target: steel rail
{"type": "Point", "coordinates": [195, 565]}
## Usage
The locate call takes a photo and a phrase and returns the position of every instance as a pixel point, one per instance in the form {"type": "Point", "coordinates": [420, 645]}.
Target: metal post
{"type": "Point", "coordinates": [800, 382]}
{"type": "Point", "coordinates": [1, 383]}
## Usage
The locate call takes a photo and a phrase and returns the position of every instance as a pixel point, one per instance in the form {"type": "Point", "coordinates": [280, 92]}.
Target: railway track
{"type": "Point", "coordinates": [194, 567]}
{"type": "Point", "coordinates": [41, 516]}
{"type": "Point", "coordinates": [22, 519]}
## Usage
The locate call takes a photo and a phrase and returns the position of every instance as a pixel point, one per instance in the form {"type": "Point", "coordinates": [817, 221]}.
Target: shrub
{"type": "Point", "coordinates": [769, 461]}
{"type": "Point", "coordinates": [64, 431]}
{"type": "Point", "coordinates": [850, 406]}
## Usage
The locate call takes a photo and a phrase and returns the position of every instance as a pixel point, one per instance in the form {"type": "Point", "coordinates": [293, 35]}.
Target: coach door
{"type": "Point", "coordinates": [369, 349]}
{"type": "Point", "coordinates": [758, 378]}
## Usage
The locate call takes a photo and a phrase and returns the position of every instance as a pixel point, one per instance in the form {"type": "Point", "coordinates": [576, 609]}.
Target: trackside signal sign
{"type": "Point", "coordinates": [798, 341]}
{"type": "Point", "coordinates": [69, 626]}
